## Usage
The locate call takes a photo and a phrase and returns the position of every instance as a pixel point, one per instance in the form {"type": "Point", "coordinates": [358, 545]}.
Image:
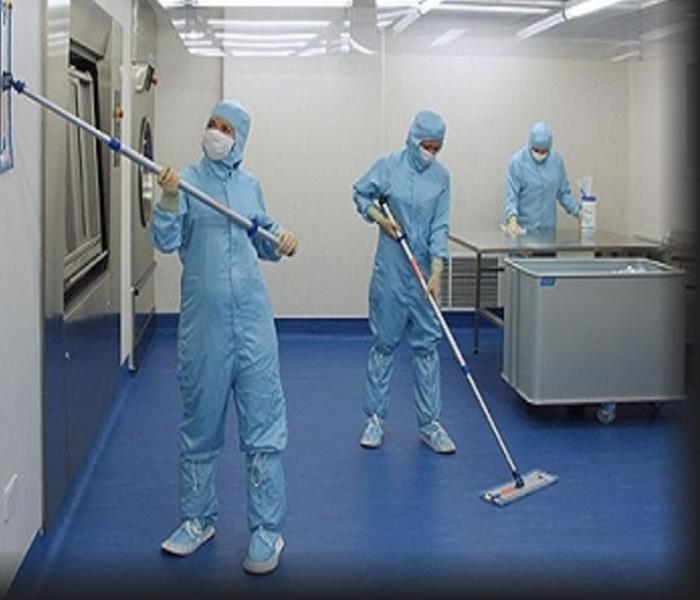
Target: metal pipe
{"type": "Point", "coordinates": [114, 144]}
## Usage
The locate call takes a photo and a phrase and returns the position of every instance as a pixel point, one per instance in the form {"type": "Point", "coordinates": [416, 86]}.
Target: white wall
{"type": "Point", "coordinates": [490, 103]}
{"type": "Point", "coordinates": [319, 123]}
{"type": "Point", "coordinates": [187, 90]}
{"type": "Point", "coordinates": [662, 182]}
{"type": "Point", "coordinates": [317, 126]}
{"type": "Point", "coordinates": [20, 261]}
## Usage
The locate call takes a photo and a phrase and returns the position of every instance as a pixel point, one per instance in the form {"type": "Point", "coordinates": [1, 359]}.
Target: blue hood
{"type": "Point", "coordinates": [239, 118]}
{"type": "Point", "coordinates": [427, 125]}
{"type": "Point", "coordinates": [540, 136]}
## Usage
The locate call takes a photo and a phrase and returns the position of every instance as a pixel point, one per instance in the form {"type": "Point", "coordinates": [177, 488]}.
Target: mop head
{"type": "Point", "coordinates": [509, 492]}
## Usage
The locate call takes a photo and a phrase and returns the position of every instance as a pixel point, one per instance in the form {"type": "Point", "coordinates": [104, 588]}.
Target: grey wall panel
{"type": "Point", "coordinates": [91, 338]}
{"type": "Point", "coordinates": [80, 342]}
{"type": "Point", "coordinates": [55, 86]}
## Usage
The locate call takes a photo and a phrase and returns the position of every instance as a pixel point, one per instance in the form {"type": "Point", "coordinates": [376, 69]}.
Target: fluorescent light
{"type": "Point", "coordinates": [312, 52]}
{"type": "Point", "coordinates": [270, 53]}
{"type": "Point", "coordinates": [360, 48]}
{"type": "Point", "coordinates": [650, 3]}
{"type": "Point", "coordinates": [196, 43]}
{"type": "Point", "coordinates": [626, 55]}
{"type": "Point", "coordinates": [494, 8]}
{"type": "Point", "coordinates": [391, 14]}
{"type": "Point", "coordinates": [427, 5]}
{"type": "Point", "coordinates": [448, 36]}
{"type": "Point", "coordinates": [257, 3]}
{"type": "Point", "coordinates": [578, 9]}
{"type": "Point", "coordinates": [192, 35]}
{"type": "Point", "coordinates": [265, 37]}
{"type": "Point", "coordinates": [541, 25]}
{"type": "Point", "coordinates": [547, 3]}
{"type": "Point", "coordinates": [395, 3]}
{"type": "Point", "coordinates": [265, 24]}
{"type": "Point", "coordinates": [263, 45]}
{"type": "Point", "coordinates": [663, 32]}
{"type": "Point", "coordinates": [586, 7]}
{"type": "Point", "coordinates": [407, 20]}
{"type": "Point", "coordinates": [206, 52]}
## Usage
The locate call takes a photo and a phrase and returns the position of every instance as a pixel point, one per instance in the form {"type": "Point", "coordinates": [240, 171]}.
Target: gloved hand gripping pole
{"type": "Point", "coordinates": [114, 144]}
{"type": "Point", "coordinates": [401, 239]}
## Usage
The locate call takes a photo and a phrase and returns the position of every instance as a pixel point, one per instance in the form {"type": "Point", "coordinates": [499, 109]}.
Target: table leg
{"type": "Point", "coordinates": [477, 302]}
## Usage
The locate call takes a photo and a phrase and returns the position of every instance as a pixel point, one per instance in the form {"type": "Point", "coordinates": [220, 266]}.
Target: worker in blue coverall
{"type": "Point", "coordinates": [227, 344]}
{"type": "Point", "coordinates": [417, 188]}
{"type": "Point", "coordinates": [536, 181]}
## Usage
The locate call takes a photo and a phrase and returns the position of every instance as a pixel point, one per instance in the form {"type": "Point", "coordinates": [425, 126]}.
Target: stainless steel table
{"type": "Point", "coordinates": [563, 240]}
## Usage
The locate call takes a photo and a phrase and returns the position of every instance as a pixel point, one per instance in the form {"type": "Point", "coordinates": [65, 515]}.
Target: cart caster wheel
{"type": "Point", "coordinates": [606, 413]}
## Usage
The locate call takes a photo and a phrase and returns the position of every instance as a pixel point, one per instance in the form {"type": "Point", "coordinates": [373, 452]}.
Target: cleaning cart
{"type": "Point", "coordinates": [595, 331]}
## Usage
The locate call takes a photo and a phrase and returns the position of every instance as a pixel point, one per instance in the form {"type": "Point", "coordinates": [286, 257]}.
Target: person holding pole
{"type": "Point", "coordinates": [227, 343]}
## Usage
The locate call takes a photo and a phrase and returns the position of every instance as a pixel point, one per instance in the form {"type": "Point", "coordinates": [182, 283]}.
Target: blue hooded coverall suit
{"type": "Point", "coordinates": [226, 336]}
{"type": "Point", "coordinates": [418, 194]}
{"type": "Point", "coordinates": [532, 187]}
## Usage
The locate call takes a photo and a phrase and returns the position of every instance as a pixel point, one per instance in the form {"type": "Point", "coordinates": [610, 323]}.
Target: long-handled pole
{"type": "Point", "coordinates": [401, 239]}
{"type": "Point", "coordinates": [114, 144]}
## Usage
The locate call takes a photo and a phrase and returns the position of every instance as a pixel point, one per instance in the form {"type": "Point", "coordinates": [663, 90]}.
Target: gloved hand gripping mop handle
{"type": "Point", "coordinates": [401, 239]}
{"type": "Point", "coordinates": [251, 226]}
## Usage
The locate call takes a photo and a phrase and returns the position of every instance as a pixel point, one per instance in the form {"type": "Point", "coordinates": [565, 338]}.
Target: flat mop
{"type": "Point", "coordinates": [114, 144]}
{"type": "Point", "coordinates": [522, 485]}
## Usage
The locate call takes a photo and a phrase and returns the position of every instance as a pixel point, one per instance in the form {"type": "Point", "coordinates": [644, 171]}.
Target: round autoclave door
{"type": "Point", "coordinates": [146, 179]}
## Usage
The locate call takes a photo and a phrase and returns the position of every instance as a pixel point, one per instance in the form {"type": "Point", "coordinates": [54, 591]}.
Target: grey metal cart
{"type": "Point", "coordinates": [493, 242]}
{"type": "Point", "coordinates": [597, 331]}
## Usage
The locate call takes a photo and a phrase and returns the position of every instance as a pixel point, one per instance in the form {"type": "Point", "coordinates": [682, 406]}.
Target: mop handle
{"type": "Point", "coordinates": [403, 242]}
{"type": "Point", "coordinates": [114, 144]}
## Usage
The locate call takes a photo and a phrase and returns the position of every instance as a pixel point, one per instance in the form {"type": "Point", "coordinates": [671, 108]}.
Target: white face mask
{"type": "Point", "coordinates": [539, 157]}
{"type": "Point", "coordinates": [216, 145]}
{"type": "Point", "coordinates": [426, 156]}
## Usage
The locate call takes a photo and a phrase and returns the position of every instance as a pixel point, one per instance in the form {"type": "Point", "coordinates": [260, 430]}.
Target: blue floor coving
{"type": "Point", "coordinates": [400, 517]}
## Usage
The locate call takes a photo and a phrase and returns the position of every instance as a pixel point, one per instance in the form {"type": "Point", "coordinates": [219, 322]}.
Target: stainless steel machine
{"type": "Point", "coordinates": [81, 238]}
{"type": "Point", "coordinates": [143, 264]}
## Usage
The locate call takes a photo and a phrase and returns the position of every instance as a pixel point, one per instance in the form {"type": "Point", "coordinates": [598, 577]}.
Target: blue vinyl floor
{"type": "Point", "coordinates": [396, 519]}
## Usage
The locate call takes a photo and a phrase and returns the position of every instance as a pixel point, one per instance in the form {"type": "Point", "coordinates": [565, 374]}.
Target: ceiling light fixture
{"type": "Point", "coordinates": [626, 55]}
{"type": "Point", "coordinates": [447, 37]}
{"type": "Point", "coordinates": [255, 3]}
{"type": "Point", "coordinates": [577, 9]}
{"type": "Point", "coordinates": [493, 8]}
{"type": "Point", "coordinates": [265, 37]}
{"type": "Point", "coordinates": [266, 24]}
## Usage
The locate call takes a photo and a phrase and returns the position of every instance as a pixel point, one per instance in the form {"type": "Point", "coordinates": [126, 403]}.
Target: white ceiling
{"type": "Point", "coordinates": [624, 28]}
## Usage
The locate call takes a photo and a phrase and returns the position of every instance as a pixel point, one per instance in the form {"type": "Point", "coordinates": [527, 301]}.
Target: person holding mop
{"type": "Point", "coordinates": [418, 188]}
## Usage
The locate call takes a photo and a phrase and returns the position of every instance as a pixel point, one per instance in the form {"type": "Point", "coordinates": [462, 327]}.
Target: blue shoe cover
{"type": "Point", "coordinates": [373, 433]}
{"type": "Point", "coordinates": [264, 552]}
{"type": "Point", "coordinates": [189, 536]}
{"type": "Point", "coordinates": [435, 437]}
